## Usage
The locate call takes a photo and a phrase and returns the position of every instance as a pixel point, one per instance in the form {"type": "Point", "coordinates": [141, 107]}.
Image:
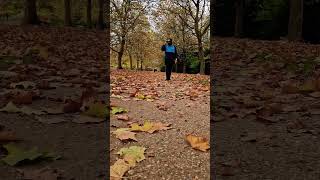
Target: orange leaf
{"type": "Point", "coordinates": [198, 143]}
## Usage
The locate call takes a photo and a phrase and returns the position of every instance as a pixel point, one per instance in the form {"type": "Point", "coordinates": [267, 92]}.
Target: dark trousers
{"type": "Point", "coordinates": [169, 66]}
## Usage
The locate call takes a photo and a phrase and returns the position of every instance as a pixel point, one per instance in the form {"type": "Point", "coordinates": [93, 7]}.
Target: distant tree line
{"type": "Point", "coordinates": [294, 20]}
{"type": "Point", "coordinates": [31, 11]}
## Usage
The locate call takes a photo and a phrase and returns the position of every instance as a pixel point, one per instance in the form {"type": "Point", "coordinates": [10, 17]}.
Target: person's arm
{"type": "Point", "coordinates": [163, 48]}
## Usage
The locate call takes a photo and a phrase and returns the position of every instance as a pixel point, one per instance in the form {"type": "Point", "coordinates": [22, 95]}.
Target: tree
{"type": "Point", "coordinates": [295, 20]}
{"type": "Point", "coordinates": [238, 30]}
{"type": "Point", "coordinates": [30, 12]}
{"type": "Point", "coordinates": [198, 22]}
{"type": "Point", "coordinates": [100, 18]}
{"type": "Point", "coordinates": [89, 13]}
{"type": "Point", "coordinates": [126, 15]}
{"type": "Point", "coordinates": [67, 13]}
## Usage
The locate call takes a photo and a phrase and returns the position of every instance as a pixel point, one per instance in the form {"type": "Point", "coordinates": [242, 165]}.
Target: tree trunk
{"type": "Point", "coordinates": [137, 65]}
{"type": "Point", "coordinates": [120, 53]}
{"type": "Point", "coordinates": [238, 30]}
{"type": "Point", "coordinates": [295, 20]}
{"type": "Point", "coordinates": [130, 58]}
{"type": "Point", "coordinates": [89, 14]}
{"type": "Point", "coordinates": [67, 12]}
{"type": "Point", "coordinates": [30, 12]}
{"type": "Point", "coordinates": [141, 61]}
{"type": "Point", "coordinates": [184, 60]}
{"type": "Point", "coordinates": [101, 19]}
{"type": "Point", "coordinates": [201, 56]}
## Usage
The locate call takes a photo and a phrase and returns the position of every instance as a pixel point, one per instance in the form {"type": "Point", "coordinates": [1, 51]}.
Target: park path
{"type": "Point", "coordinates": [182, 102]}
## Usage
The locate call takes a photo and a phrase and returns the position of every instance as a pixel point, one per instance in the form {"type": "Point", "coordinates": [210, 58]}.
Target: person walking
{"type": "Point", "coordinates": [170, 57]}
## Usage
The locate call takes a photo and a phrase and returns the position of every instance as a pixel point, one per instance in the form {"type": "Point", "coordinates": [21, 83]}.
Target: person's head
{"type": "Point", "coordinates": [169, 41]}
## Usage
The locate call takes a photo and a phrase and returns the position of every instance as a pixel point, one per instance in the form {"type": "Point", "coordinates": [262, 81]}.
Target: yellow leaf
{"type": "Point", "coordinates": [119, 168]}
{"type": "Point", "coordinates": [146, 127]}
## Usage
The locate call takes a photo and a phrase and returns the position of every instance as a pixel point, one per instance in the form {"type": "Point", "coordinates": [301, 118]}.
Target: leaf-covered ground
{"type": "Point", "coordinates": [179, 107]}
{"type": "Point", "coordinates": [52, 91]}
{"type": "Point", "coordinates": [266, 110]}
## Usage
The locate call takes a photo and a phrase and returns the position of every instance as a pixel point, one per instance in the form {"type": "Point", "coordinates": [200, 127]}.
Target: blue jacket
{"type": "Point", "coordinates": [170, 52]}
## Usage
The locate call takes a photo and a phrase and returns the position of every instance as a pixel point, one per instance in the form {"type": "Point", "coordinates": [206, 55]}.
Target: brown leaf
{"type": "Point", "coordinates": [199, 143]}
{"type": "Point", "coordinates": [159, 126]}
{"type": "Point", "coordinates": [123, 117]}
{"type": "Point", "coordinates": [125, 134]}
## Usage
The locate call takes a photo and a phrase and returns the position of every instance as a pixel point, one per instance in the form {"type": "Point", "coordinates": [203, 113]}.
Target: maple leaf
{"type": "Point", "coordinates": [132, 155]}
{"type": "Point", "coordinates": [118, 169]}
{"type": "Point", "coordinates": [198, 143]}
{"type": "Point", "coordinates": [125, 134]}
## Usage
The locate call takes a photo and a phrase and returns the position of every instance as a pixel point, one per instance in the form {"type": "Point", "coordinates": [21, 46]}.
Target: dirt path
{"type": "Point", "coordinates": [168, 156]}
{"type": "Point", "coordinates": [266, 117]}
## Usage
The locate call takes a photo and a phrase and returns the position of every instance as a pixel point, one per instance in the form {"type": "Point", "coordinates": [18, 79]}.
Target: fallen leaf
{"type": "Point", "coordinates": [158, 127]}
{"type": "Point", "coordinates": [140, 96]}
{"type": "Point", "coordinates": [118, 110]}
{"type": "Point", "coordinates": [132, 155]}
{"type": "Point", "coordinates": [123, 117]}
{"type": "Point", "coordinates": [17, 155]}
{"type": "Point", "coordinates": [125, 134]}
{"type": "Point", "coordinates": [11, 108]}
{"type": "Point", "coordinates": [145, 127]}
{"type": "Point", "coordinates": [118, 169]}
{"type": "Point", "coordinates": [198, 143]}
